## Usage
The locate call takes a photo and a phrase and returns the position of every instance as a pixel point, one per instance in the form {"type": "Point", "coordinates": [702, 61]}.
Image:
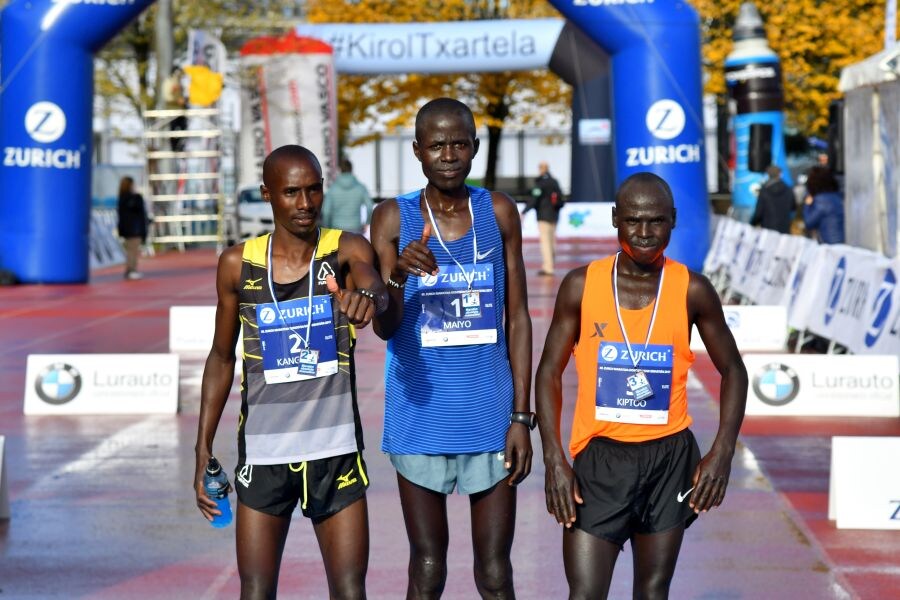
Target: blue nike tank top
{"type": "Point", "coordinates": [448, 400]}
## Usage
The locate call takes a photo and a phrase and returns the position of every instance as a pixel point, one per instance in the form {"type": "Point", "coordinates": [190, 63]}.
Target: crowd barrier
{"type": "Point", "coordinates": [842, 293]}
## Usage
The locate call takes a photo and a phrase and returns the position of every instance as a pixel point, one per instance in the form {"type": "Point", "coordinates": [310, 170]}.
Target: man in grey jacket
{"type": "Point", "coordinates": [344, 201]}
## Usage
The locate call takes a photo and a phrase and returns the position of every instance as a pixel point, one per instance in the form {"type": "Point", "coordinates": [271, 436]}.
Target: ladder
{"type": "Point", "coordinates": [184, 173]}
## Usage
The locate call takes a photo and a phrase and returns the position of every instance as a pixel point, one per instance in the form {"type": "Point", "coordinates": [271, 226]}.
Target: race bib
{"type": "Point", "coordinates": [455, 313]}
{"type": "Point", "coordinates": [284, 355]}
{"type": "Point", "coordinates": [626, 394]}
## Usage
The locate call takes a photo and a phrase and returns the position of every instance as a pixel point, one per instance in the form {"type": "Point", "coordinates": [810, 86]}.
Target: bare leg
{"type": "Point", "coordinates": [655, 556]}
{"type": "Point", "coordinates": [344, 542]}
{"type": "Point", "coordinates": [493, 526]}
{"type": "Point", "coordinates": [589, 562]}
{"type": "Point", "coordinates": [260, 544]}
{"type": "Point", "coordinates": [425, 515]}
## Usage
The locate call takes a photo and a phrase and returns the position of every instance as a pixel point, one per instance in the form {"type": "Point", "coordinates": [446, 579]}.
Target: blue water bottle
{"type": "Point", "coordinates": [215, 482]}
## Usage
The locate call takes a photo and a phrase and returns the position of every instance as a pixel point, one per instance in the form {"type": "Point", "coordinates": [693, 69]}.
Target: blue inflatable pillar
{"type": "Point", "coordinates": [654, 46]}
{"type": "Point", "coordinates": [46, 107]}
{"type": "Point", "coordinates": [753, 75]}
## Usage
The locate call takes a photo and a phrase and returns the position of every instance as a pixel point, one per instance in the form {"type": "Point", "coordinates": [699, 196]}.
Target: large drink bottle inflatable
{"type": "Point", "coordinates": [753, 76]}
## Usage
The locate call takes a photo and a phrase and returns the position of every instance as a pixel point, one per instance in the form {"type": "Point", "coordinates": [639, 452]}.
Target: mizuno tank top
{"type": "Point", "coordinates": [300, 420]}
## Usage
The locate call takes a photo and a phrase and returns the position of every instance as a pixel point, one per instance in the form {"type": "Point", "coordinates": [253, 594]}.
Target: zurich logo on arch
{"type": "Point", "coordinates": [881, 308]}
{"type": "Point", "coordinates": [837, 286]}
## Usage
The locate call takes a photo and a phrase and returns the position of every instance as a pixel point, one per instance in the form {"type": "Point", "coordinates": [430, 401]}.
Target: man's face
{"type": "Point", "coordinates": [446, 147]}
{"type": "Point", "coordinates": [294, 188]}
{"type": "Point", "coordinates": [644, 219]}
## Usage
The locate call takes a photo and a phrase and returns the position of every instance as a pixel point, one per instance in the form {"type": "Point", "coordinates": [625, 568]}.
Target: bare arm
{"type": "Point", "coordinates": [365, 296]}
{"type": "Point", "coordinates": [705, 311]}
{"type": "Point", "coordinates": [518, 334]}
{"type": "Point", "coordinates": [560, 486]}
{"type": "Point", "coordinates": [415, 259]}
{"type": "Point", "coordinates": [218, 374]}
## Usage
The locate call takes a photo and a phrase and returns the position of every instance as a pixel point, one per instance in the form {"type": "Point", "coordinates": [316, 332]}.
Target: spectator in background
{"type": "Point", "coordinates": [823, 210]}
{"type": "Point", "coordinates": [174, 99]}
{"type": "Point", "coordinates": [547, 200]}
{"type": "Point", "coordinates": [344, 202]}
{"type": "Point", "coordinates": [132, 225]}
{"type": "Point", "coordinates": [774, 204]}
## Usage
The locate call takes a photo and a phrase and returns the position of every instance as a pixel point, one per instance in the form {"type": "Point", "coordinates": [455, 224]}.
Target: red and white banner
{"type": "Point", "coordinates": [288, 96]}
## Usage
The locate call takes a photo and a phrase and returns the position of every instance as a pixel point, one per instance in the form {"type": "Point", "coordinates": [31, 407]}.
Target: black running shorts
{"type": "Point", "coordinates": [638, 487]}
{"type": "Point", "coordinates": [322, 487]}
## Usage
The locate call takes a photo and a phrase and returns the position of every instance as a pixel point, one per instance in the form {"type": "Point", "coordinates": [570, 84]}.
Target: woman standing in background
{"type": "Point", "coordinates": [132, 225]}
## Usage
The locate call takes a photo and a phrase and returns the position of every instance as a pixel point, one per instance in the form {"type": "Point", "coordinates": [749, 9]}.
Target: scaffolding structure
{"type": "Point", "coordinates": [183, 148]}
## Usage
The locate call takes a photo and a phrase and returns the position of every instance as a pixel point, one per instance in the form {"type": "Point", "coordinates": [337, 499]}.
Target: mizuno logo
{"type": "Point", "coordinates": [345, 480]}
{"type": "Point", "coordinates": [680, 497]}
{"type": "Point", "coordinates": [483, 255]}
{"type": "Point", "coordinates": [252, 284]}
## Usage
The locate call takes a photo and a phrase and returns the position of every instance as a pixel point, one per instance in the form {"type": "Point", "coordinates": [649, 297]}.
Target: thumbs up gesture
{"type": "Point", "coordinates": [416, 259]}
{"type": "Point", "coordinates": [358, 305]}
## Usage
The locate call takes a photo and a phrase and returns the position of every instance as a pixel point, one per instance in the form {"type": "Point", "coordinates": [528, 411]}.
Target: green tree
{"type": "Point", "coordinates": [813, 39]}
{"type": "Point", "coordinates": [497, 99]}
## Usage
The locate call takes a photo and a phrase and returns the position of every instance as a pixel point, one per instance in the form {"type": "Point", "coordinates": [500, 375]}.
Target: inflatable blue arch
{"type": "Point", "coordinates": [46, 107]}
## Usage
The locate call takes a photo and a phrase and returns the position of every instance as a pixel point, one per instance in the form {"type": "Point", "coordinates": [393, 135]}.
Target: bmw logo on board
{"type": "Point", "coordinates": [58, 383]}
{"type": "Point", "coordinates": [776, 384]}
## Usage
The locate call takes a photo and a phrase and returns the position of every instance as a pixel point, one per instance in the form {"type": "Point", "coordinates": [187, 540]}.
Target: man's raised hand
{"type": "Point", "coordinates": [358, 305]}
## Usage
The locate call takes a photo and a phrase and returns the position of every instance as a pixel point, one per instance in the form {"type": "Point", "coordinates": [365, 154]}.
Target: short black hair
{"type": "Point", "coordinates": [346, 165]}
{"type": "Point", "coordinates": [444, 106]}
{"type": "Point", "coordinates": [644, 179]}
{"type": "Point", "coordinates": [291, 151]}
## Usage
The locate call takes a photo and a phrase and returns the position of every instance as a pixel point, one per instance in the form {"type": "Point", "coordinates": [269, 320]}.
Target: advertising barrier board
{"type": "Point", "coordinates": [829, 385]}
{"type": "Point", "coordinates": [71, 384]}
{"type": "Point", "coordinates": [864, 489]}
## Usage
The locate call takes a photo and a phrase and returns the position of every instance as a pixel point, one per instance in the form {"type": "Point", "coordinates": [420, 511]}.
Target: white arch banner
{"type": "Point", "coordinates": [449, 47]}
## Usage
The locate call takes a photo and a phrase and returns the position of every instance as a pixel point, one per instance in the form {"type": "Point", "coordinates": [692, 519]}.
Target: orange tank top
{"type": "Point", "coordinates": [613, 399]}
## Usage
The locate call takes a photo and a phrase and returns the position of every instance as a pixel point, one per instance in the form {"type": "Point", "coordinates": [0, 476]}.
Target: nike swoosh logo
{"type": "Point", "coordinates": [481, 256]}
{"type": "Point", "coordinates": [680, 497]}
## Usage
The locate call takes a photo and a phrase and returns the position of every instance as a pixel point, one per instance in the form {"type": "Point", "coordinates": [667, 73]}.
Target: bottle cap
{"type": "Point", "coordinates": [212, 467]}
{"type": "Point", "coordinates": [748, 25]}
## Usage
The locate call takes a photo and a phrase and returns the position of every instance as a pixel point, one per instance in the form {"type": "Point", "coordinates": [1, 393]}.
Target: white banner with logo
{"type": "Point", "coordinates": [452, 47]}
{"type": "Point", "coordinates": [776, 274]}
{"type": "Point", "coordinates": [864, 489]}
{"type": "Point", "coordinates": [829, 385]}
{"type": "Point", "coordinates": [849, 281]}
{"type": "Point", "coordinates": [191, 328]}
{"type": "Point", "coordinates": [755, 328]}
{"type": "Point", "coordinates": [576, 220]}
{"type": "Point", "coordinates": [70, 384]}
{"type": "Point", "coordinates": [747, 280]}
{"type": "Point", "coordinates": [287, 99]}
{"type": "Point", "coordinates": [842, 293]}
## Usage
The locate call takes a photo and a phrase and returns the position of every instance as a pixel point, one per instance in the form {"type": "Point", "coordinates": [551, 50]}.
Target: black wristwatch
{"type": "Point", "coordinates": [528, 419]}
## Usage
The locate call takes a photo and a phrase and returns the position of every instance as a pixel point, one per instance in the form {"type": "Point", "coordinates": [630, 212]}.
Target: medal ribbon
{"type": "Point", "coordinates": [635, 361]}
{"type": "Point", "coordinates": [269, 278]}
{"type": "Point", "coordinates": [470, 277]}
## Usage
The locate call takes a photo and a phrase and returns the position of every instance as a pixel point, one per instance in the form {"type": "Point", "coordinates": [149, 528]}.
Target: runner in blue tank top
{"type": "Point", "coordinates": [458, 366]}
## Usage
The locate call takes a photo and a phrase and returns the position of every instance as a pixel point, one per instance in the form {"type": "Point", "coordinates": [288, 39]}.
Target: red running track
{"type": "Point", "coordinates": [102, 506]}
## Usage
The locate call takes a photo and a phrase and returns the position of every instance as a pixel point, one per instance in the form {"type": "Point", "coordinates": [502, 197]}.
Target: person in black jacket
{"type": "Point", "coordinates": [132, 225]}
{"type": "Point", "coordinates": [775, 204]}
{"type": "Point", "coordinates": [547, 200]}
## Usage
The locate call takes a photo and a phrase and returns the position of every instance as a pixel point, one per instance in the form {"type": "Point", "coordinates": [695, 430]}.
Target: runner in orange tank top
{"type": "Point", "coordinates": [637, 474]}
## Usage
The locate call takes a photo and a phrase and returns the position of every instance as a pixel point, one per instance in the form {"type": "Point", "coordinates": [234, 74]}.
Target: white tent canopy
{"type": "Point", "coordinates": [872, 151]}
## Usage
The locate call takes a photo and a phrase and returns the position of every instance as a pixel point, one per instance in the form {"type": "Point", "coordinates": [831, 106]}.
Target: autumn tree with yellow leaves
{"type": "Point", "coordinates": [526, 97]}
{"type": "Point", "coordinates": [814, 39]}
